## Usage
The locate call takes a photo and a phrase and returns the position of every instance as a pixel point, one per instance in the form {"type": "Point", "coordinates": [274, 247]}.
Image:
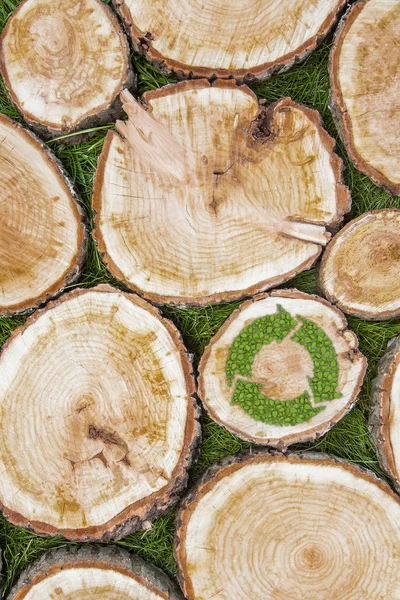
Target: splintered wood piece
{"type": "Point", "coordinates": [93, 573]}
{"type": "Point", "coordinates": [278, 527]}
{"type": "Point", "coordinates": [360, 270]}
{"type": "Point", "coordinates": [207, 196]}
{"type": "Point", "coordinates": [64, 64]}
{"type": "Point", "coordinates": [365, 99]}
{"type": "Point", "coordinates": [106, 387]}
{"type": "Point", "coordinates": [282, 369]}
{"type": "Point", "coordinates": [227, 38]}
{"type": "Point", "coordinates": [42, 237]}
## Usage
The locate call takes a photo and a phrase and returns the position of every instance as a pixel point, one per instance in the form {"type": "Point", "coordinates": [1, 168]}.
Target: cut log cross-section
{"type": "Point", "coordinates": [207, 196]}
{"type": "Point", "coordinates": [64, 64]}
{"type": "Point", "coordinates": [106, 387]}
{"type": "Point", "coordinates": [42, 237]}
{"type": "Point", "coordinates": [227, 38]}
{"type": "Point", "coordinates": [283, 369]}
{"type": "Point", "coordinates": [365, 75]}
{"type": "Point", "coordinates": [274, 527]}
{"type": "Point", "coordinates": [93, 574]}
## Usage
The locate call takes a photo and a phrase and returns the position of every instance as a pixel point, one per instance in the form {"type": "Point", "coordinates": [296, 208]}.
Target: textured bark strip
{"type": "Point", "coordinates": [271, 527]}
{"type": "Point", "coordinates": [60, 78]}
{"type": "Point", "coordinates": [107, 388]}
{"type": "Point", "coordinates": [207, 196]}
{"type": "Point", "coordinates": [93, 573]}
{"type": "Point", "coordinates": [365, 101]}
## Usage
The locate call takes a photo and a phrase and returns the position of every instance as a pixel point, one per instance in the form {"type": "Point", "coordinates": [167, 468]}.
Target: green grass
{"type": "Point", "coordinates": [307, 83]}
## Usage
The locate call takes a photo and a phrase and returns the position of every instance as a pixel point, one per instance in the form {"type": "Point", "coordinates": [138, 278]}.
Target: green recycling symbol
{"type": "Point", "coordinates": [248, 394]}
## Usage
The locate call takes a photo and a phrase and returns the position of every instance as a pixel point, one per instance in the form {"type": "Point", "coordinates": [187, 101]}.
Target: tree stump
{"type": "Point", "coordinates": [207, 196]}
{"type": "Point", "coordinates": [365, 72]}
{"type": "Point", "coordinates": [360, 270]}
{"type": "Point", "coordinates": [107, 390]}
{"type": "Point", "coordinates": [60, 78]}
{"type": "Point", "coordinates": [277, 527]}
{"type": "Point", "coordinates": [227, 38]}
{"type": "Point", "coordinates": [282, 369]}
{"type": "Point", "coordinates": [42, 237]}
{"type": "Point", "coordinates": [93, 573]}
{"type": "Point", "coordinates": [385, 411]}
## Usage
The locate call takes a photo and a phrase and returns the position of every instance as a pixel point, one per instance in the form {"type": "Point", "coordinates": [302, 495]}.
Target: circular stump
{"type": "Point", "coordinates": [282, 369]}
{"type": "Point", "coordinates": [207, 196]}
{"type": "Point", "coordinates": [227, 38]}
{"type": "Point", "coordinates": [60, 78]}
{"type": "Point", "coordinates": [360, 269]}
{"type": "Point", "coordinates": [93, 574]}
{"type": "Point", "coordinates": [42, 245]}
{"type": "Point", "coordinates": [276, 527]}
{"type": "Point", "coordinates": [105, 390]}
{"type": "Point", "coordinates": [365, 73]}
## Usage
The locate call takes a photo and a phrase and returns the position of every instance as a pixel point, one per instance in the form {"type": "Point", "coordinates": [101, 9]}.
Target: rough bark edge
{"type": "Point", "coordinates": [309, 435]}
{"type": "Point", "coordinates": [361, 314]}
{"type": "Point", "coordinates": [232, 463]}
{"type": "Point", "coordinates": [379, 417]}
{"type": "Point", "coordinates": [132, 517]}
{"type": "Point", "coordinates": [142, 43]}
{"type": "Point", "coordinates": [102, 115]}
{"type": "Point", "coordinates": [73, 274]}
{"type": "Point", "coordinates": [108, 558]}
{"type": "Point", "coordinates": [343, 196]}
{"type": "Point", "coordinates": [338, 107]}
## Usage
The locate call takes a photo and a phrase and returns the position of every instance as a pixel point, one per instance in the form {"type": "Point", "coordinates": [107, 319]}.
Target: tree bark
{"type": "Point", "coordinates": [365, 70]}
{"type": "Point", "coordinates": [106, 387]}
{"type": "Point", "coordinates": [360, 269]}
{"type": "Point", "coordinates": [93, 573]}
{"type": "Point", "coordinates": [227, 39]}
{"type": "Point", "coordinates": [60, 78]}
{"type": "Point", "coordinates": [207, 196]}
{"type": "Point", "coordinates": [282, 369]}
{"type": "Point", "coordinates": [272, 527]}
{"type": "Point", "coordinates": [42, 234]}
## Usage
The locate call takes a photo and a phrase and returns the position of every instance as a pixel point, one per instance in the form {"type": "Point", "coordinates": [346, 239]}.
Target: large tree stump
{"type": "Point", "coordinates": [105, 390]}
{"type": "Point", "coordinates": [282, 369]}
{"type": "Point", "coordinates": [64, 64]}
{"type": "Point", "coordinates": [365, 73]}
{"type": "Point", "coordinates": [211, 197]}
{"type": "Point", "coordinates": [42, 245]}
{"type": "Point", "coordinates": [360, 270]}
{"type": "Point", "coordinates": [227, 38]}
{"type": "Point", "coordinates": [93, 573]}
{"type": "Point", "coordinates": [278, 527]}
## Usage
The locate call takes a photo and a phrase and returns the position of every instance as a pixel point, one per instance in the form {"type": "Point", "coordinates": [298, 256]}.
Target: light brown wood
{"type": "Point", "coordinates": [278, 527]}
{"type": "Point", "coordinates": [93, 573]}
{"type": "Point", "coordinates": [207, 196]}
{"type": "Point", "coordinates": [64, 64]}
{"type": "Point", "coordinates": [227, 38]}
{"type": "Point", "coordinates": [365, 73]}
{"type": "Point", "coordinates": [360, 270]}
{"type": "Point", "coordinates": [42, 245]}
{"type": "Point", "coordinates": [97, 416]}
{"type": "Point", "coordinates": [276, 379]}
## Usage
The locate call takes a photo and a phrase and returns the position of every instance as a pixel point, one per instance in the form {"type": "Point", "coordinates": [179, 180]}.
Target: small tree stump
{"type": "Point", "coordinates": [278, 527]}
{"type": "Point", "coordinates": [365, 73]}
{"type": "Point", "coordinates": [360, 270]}
{"type": "Point", "coordinates": [93, 573]}
{"type": "Point", "coordinates": [211, 197]}
{"type": "Point", "coordinates": [42, 237]}
{"type": "Point", "coordinates": [64, 64]}
{"type": "Point", "coordinates": [282, 369]}
{"type": "Point", "coordinates": [227, 38]}
{"type": "Point", "coordinates": [106, 387]}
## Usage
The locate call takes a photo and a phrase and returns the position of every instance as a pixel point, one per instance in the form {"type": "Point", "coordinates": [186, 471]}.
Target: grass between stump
{"type": "Point", "coordinates": [307, 83]}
